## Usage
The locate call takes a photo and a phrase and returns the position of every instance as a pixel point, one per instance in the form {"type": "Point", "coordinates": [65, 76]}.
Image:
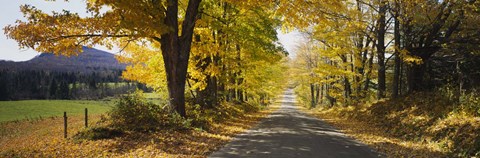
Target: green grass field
{"type": "Point", "coordinates": [20, 110]}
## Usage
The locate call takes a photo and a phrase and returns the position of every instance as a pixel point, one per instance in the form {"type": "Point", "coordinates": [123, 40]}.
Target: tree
{"type": "Point", "coordinates": [232, 41]}
{"type": "Point", "coordinates": [53, 88]}
{"type": "Point", "coordinates": [381, 30]}
{"type": "Point", "coordinates": [63, 90]}
{"type": "Point", "coordinates": [155, 21]}
{"type": "Point", "coordinates": [4, 94]}
{"type": "Point", "coordinates": [430, 27]}
{"type": "Point", "coordinates": [307, 60]}
{"type": "Point", "coordinates": [427, 35]}
{"type": "Point", "coordinates": [397, 38]}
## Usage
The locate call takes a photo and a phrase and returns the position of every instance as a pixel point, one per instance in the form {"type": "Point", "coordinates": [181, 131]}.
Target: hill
{"type": "Point", "coordinates": [93, 74]}
{"type": "Point", "coordinates": [89, 60]}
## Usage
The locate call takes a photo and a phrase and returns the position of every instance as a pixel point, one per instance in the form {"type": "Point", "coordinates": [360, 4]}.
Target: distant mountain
{"type": "Point", "coordinates": [89, 60]}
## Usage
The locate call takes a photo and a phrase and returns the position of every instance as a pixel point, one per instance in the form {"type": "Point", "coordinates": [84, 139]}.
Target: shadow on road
{"type": "Point", "coordinates": [290, 133]}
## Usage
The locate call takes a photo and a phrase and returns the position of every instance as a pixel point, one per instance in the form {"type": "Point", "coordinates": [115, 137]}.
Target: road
{"type": "Point", "coordinates": [290, 133]}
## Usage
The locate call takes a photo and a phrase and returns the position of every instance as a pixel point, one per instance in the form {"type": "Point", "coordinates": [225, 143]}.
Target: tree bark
{"type": "Point", "coordinates": [415, 77]}
{"type": "Point", "coordinates": [396, 73]}
{"type": "Point", "coordinates": [312, 93]}
{"type": "Point", "coordinates": [317, 88]}
{"type": "Point", "coordinates": [320, 99]}
{"type": "Point", "coordinates": [369, 72]}
{"type": "Point", "coordinates": [381, 49]}
{"type": "Point", "coordinates": [238, 74]}
{"type": "Point", "coordinates": [176, 51]}
{"type": "Point", "coordinates": [348, 89]}
{"type": "Point", "coordinates": [416, 71]}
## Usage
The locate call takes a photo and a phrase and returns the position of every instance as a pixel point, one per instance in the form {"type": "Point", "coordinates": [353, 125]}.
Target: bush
{"type": "Point", "coordinates": [200, 118]}
{"type": "Point", "coordinates": [134, 112]}
{"type": "Point", "coordinates": [97, 133]}
{"type": "Point", "coordinates": [469, 102]}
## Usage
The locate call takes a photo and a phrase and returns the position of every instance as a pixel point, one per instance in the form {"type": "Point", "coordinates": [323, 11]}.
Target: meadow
{"type": "Point", "coordinates": [35, 109]}
{"type": "Point", "coordinates": [44, 137]}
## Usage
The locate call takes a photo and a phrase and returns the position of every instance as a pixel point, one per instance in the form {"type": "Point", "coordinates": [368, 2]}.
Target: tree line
{"type": "Point", "coordinates": [364, 49]}
{"type": "Point", "coordinates": [38, 84]}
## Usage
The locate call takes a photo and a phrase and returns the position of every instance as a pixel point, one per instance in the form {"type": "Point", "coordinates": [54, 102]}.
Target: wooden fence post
{"type": "Point", "coordinates": [65, 124]}
{"type": "Point", "coordinates": [86, 117]}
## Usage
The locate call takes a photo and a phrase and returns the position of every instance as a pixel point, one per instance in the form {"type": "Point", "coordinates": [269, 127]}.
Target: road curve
{"type": "Point", "coordinates": [290, 133]}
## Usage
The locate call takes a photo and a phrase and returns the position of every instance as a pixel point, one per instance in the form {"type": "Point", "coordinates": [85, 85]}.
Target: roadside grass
{"type": "Point", "coordinates": [36, 109]}
{"type": "Point", "coordinates": [377, 137]}
{"type": "Point", "coordinates": [421, 125]}
{"type": "Point", "coordinates": [44, 138]}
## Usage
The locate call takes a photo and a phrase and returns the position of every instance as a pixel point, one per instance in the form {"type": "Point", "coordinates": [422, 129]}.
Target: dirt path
{"type": "Point", "coordinates": [290, 133]}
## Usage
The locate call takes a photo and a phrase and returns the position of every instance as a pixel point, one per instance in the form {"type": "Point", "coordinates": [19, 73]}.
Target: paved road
{"type": "Point", "coordinates": [290, 133]}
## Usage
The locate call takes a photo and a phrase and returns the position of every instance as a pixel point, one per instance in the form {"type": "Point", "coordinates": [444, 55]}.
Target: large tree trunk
{"type": "Point", "coordinates": [396, 72]}
{"type": "Point", "coordinates": [346, 82]}
{"type": "Point", "coordinates": [361, 70]}
{"type": "Point", "coordinates": [369, 72]}
{"type": "Point", "coordinates": [415, 77]}
{"type": "Point", "coordinates": [396, 77]}
{"type": "Point", "coordinates": [238, 74]}
{"type": "Point", "coordinates": [381, 49]}
{"type": "Point", "coordinates": [426, 49]}
{"type": "Point", "coordinates": [416, 72]}
{"type": "Point", "coordinates": [176, 51]}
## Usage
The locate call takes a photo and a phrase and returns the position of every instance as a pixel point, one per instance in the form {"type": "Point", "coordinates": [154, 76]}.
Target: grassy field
{"type": "Point", "coordinates": [44, 138]}
{"type": "Point", "coordinates": [33, 109]}
{"type": "Point", "coordinates": [20, 110]}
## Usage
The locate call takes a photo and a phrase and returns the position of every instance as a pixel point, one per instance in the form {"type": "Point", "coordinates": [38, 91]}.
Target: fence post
{"type": "Point", "coordinates": [65, 124]}
{"type": "Point", "coordinates": [86, 117]}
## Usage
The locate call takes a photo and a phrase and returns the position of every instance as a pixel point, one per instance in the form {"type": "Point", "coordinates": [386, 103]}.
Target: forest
{"type": "Point", "coordinates": [94, 74]}
{"type": "Point", "coordinates": [408, 68]}
{"type": "Point", "coordinates": [404, 71]}
{"type": "Point", "coordinates": [387, 49]}
{"type": "Point", "coordinates": [31, 84]}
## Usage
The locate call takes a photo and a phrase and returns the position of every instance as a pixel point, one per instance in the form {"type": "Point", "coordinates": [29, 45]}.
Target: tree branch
{"type": "Point", "coordinates": [87, 36]}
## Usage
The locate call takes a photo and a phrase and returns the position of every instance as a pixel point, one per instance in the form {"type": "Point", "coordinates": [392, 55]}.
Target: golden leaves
{"type": "Point", "coordinates": [146, 65]}
{"type": "Point", "coordinates": [246, 27]}
{"type": "Point", "coordinates": [408, 58]}
{"type": "Point", "coordinates": [357, 123]}
{"type": "Point", "coordinates": [45, 139]}
{"type": "Point", "coordinates": [65, 32]}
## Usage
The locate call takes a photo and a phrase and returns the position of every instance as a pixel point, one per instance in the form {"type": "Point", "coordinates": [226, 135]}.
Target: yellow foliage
{"type": "Point", "coordinates": [44, 138]}
{"type": "Point", "coordinates": [410, 59]}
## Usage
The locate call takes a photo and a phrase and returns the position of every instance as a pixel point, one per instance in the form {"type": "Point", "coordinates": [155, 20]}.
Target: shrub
{"type": "Point", "coordinates": [200, 118]}
{"type": "Point", "coordinates": [96, 133]}
{"type": "Point", "coordinates": [134, 112]}
{"type": "Point", "coordinates": [469, 102]}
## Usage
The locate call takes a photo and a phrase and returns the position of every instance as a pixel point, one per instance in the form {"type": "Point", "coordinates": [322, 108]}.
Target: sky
{"type": "Point", "coordinates": [10, 12]}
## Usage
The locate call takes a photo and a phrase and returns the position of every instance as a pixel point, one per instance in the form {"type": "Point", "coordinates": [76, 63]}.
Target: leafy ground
{"type": "Point", "coordinates": [35, 109]}
{"type": "Point", "coordinates": [422, 125]}
{"type": "Point", "coordinates": [44, 138]}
